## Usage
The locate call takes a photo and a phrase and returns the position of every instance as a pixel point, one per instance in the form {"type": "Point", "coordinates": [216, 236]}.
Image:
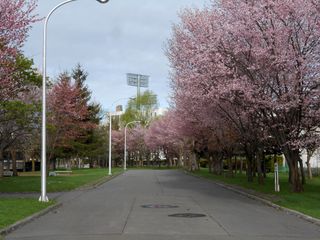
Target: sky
{"type": "Point", "coordinates": [109, 40]}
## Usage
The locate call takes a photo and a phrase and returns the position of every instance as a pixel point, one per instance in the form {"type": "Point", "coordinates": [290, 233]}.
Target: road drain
{"type": "Point", "coordinates": [158, 206]}
{"type": "Point", "coordinates": [187, 215]}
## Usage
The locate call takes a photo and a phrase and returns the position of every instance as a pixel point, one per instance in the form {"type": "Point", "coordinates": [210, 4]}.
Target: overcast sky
{"type": "Point", "coordinates": [109, 40]}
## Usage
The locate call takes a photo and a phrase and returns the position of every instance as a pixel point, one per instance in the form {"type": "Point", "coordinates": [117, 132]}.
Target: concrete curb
{"type": "Point", "coordinates": [26, 220]}
{"type": "Point", "coordinates": [260, 199]}
{"type": "Point", "coordinates": [99, 182]}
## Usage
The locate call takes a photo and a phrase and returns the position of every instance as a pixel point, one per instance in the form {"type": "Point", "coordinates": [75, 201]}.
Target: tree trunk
{"type": "Point", "coordinates": [264, 167]}
{"type": "Point", "coordinates": [230, 167]}
{"type": "Point", "coordinates": [14, 162]}
{"type": "Point", "coordinates": [303, 176]}
{"type": "Point", "coordinates": [180, 161]}
{"type": "Point", "coordinates": [33, 165]}
{"type": "Point", "coordinates": [194, 162]}
{"type": "Point", "coordinates": [217, 163]}
{"type": "Point", "coordinates": [186, 157]}
{"type": "Point", "coordinates": [148, 158]}
{"type": "Point", "coordinates": [309, 165]}
{"type": "Point", "coordinates": [249, 168]}
{"type": "Point", "coordinates": [259, 169]}
{"type": "Point", "coordinates": [210, 164]}
{"type": "Point", "coordinates": [292, 158]}
{"type": "Point", "coordinates": [1, 163]}
{"type": "Point", "coordinates": [309, 170]}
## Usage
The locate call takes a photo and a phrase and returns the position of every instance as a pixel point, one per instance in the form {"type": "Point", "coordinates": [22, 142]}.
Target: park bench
{"type": "Point", "coordinates": [63, 172]}
{"type": "Point", "coordinates": [7, 173]}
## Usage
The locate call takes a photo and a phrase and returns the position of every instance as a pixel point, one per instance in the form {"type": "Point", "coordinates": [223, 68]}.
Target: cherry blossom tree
{"type": "Point", "coordinates": [260, 58]}
{"type": "Point", "coordinates": [16, 18]}
{"type": "Point", "coordinates": [161, 138]}
{"type": "Point", "coordinates": [117, 146]}
{"type": "Point", "coordinates": [137, 151]}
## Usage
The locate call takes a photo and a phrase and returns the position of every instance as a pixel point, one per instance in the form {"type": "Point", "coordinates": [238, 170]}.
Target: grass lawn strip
{"type": "Point", "coordinates": [306, 202]}
{"type": "Point", "coordinates": [13, 210]}
{"type": "Point", "coordinates": [77, 179]}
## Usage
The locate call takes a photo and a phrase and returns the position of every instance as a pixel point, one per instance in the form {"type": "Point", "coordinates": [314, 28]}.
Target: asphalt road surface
{"type": "Point", "coordinates": [137, 205]}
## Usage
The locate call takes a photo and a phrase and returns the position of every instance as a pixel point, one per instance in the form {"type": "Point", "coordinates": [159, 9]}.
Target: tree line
{"type": "Point", "coordinates": [245, 77]}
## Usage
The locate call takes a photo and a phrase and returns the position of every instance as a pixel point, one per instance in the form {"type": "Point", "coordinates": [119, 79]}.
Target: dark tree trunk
{"type": "Point", "coordinates": [148, 158]}
{"type": "Point", "coordinates": [309, 170]}
{"type": "Point", "coordinates": [186, 156]}
{"type": "Point", "coordinates": [210, 164]}
{"type": "Point", "coordinates": [14, 162]}
{"type": "Point", "coordinates": [230, 167]}
{"type": "Point", "coordinates": [249, 168]}
{"type": "Point", "coordinates": [1, 163]}
{"type": "Point", "coordinates": [217, 165]}
{"type": "Point", "coordinates": [264, 167]}
{"type": "Point", "coordinates": [259, 168]}
{"type": "Point", "coordinates": [292, 158]}
{"type": "Point", "coordinates": [303, 176]}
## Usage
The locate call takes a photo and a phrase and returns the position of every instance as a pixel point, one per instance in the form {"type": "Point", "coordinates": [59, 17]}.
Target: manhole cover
{"type": "Point", "coordinates": [158, 206]}
{"type": "Point", "coordinates": [187, 215]}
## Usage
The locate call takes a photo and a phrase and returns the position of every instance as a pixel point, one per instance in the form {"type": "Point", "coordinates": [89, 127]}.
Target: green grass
{"type": "Point", "coordinates": [54, 184]}
{"type": "Point", "coordinates": [306, 202]}
{"type": "Point", "coordinates": [13, 210]}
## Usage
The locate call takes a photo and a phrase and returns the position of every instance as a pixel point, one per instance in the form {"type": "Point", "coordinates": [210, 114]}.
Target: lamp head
{"type": "Point", "coordinates": [103, 1]}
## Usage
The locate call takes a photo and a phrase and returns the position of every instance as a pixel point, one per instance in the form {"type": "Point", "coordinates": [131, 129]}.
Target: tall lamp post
{"type": "Point", "coordinates": [110, 129]}
{"type": "Point", "coordinates": [110, 136]}
{"type": "Point", "coordinates": [125, 144]}
{"type": "Point", "coordinates": [43, 197]}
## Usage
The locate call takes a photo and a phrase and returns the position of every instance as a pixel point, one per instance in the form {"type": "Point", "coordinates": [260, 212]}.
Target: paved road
{"type": "Point", "coordinates": [113, 211]}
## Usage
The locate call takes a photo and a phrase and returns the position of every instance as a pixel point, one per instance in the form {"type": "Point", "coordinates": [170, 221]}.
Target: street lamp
{"type": "Point", "coordinates": [125, 144]}
{"type": "Point", "coordinates": [110, 129]}
{"type": "Point", "coordinates": [110, 136]}
{"type": "Point", "coordinates": [43, 197]}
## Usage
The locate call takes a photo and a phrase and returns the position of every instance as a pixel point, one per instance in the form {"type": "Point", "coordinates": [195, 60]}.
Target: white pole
{"type": "Point", "coordinates": [110, 129]}
{"type": "Point", "coordinates": [125, 144]}
{"type": "Point", "coordinates": [276, 178]}
{"type": "Point", "coordinates": [43, 197]}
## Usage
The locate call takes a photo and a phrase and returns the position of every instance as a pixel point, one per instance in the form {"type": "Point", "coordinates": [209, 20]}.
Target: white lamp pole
{"type": "Point", "coordinates": [110, 129]}
{"type": "Point", "coordinates": [43, 197]}
{"type": "Point", "coordinates": [125, 144]}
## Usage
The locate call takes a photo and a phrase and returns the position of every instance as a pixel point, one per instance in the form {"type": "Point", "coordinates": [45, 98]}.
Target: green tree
{"type": "Point", "coordinates": [89, 143]}
{"type": "Point", "coordinates": [147, 103]}
{"type": "Point", "coordinates": [19, 114]}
